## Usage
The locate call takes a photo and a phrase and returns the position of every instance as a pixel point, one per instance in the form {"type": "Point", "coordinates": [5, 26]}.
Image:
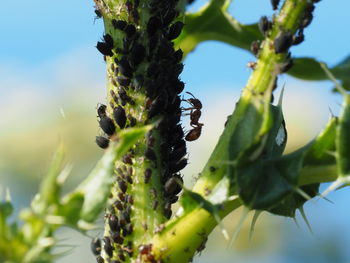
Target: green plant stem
{"type": "Point", "coordinates": [179, 241]}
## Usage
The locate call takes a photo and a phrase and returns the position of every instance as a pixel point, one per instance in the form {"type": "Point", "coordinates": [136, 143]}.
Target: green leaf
{"type": "Point", "coordinates": [96, 188]}
{"type": "Point", "coordinates": [213, 22]}
{"type": "Point", "coordinates": [50, 188]}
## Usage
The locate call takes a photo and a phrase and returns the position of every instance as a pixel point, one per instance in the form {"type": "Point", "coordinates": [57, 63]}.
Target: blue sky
{"type": "Point", "coordinates": [47, 51]}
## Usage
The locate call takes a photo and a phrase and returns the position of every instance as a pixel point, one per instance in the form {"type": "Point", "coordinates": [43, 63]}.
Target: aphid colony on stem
{"type": "Point", "coordinates": [144, 88]}
{"type": "Point", "coordinates": [284, 40]}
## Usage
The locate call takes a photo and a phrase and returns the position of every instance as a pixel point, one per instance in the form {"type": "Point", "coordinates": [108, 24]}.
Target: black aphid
{"type": "Point", "coordinates": [96, 246]}
{"type": "Point", "coordinates": [117, 238]}
{"type": "Point", "coordinates": [150, 154]}
{"type": "Point", "coordinates": [118, 205]}
{"type": "Point", "coordinates": [297, 39]}
{"type": "Point", "coordinates": [107, 125]}
{"type": "Point", "coordinates": [178, 55]}
{"type": "Point", "coordinates": [130, 30]}
{"type": "Point", "coordinates": [101, 110]}
{"type": "Point", "coordinates": [282, 42]}
{"type": "Point", "coordinates": [147, 175]}
{"type": "Point", "coordinates": [108, 40]}
{"type": "Point", "coordinates": [264, 25]}
{"type": "Point", "coordinates": [114, 223]}
{"type": "Point", "coordinates": [254, 47]}
{"type": "Point", "coordinates": [102, 142]}
{"type": "Point", "coordinates": [137, 55]}
{"type": "Point", "coordinates": [173, 185]}
{"type": "Point", "coordinates": [275, 4]}
{"type": "Point", "coordinates": [124, 67]}
{"type": "Point", "coordinates": [175, 30]}
{"type": "Point", "coordinates": [119, 24]}
{"type": "Point", "coordinates": [108, 248]}
{"type": "Point", "coordinates": [155, 204]}
{"type": "Point", "coordinates": [104, 49]}
{"type": "Point", "coordinates": [123, 81]}
{"type": "Point", "coordinates": [122, 186]}
{"type": "Point", "coordinates": [285, 66]}
{"type": "Point", "coordinates": [153, 25]}
{"type": "Point", "coordinates": [100, 259]}
{"type": "Point", "coordinates": [121, 255]}
{"type": "Point", "coordinates": [175, 167]}
{"type": "Point", "coordinates": [119, 116]}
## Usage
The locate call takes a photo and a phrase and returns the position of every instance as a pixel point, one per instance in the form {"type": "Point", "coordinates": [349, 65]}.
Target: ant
{"type": "Point", "coordinates": [195, 114]}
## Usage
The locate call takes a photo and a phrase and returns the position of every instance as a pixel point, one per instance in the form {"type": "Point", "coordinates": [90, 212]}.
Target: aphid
{"type": "Point", "coordinates": [101, 110]}
{"type": "Point", "coordinates": [121, 255]}
{"type": "Point", "coordinates": [102, 142]}
{"type": "Point", "coordinates": [104, 49]}
{"type": "Point", "coordinates": [194, 134]}
{"type": "Point", "coordinates": [173, 185]}
{"type": "Point", "coordinates": [254, 47]}
{"type": "Point", "coordinates": [130, 30]}
{"type": "Point", "coordinates": [282, 42]}
{"type": "Point", "coordinates": [108, 248]}
{"type": "Point", "coordinates": [114, 97]}
{"type": "Point", "coordinates": [306, 21]}
{"type": "Point", "coordinates": [178, 55]}
{"type": "Point", "coordinates": [153, 25]}
{"type": "Point", "coordinates": [96, 246]}
{"type": "Point", "coordinates": [153, 192]}
{"type": "Point", "coordinates": [155, 204]}
{"type": "Point", "coordinates": [121, 197]}
{"type": "Point", "coordinates": [124, 67]}
{"type": "Point", "coordinates": [175, 30]}
{"type": "Point", "coordinates": [212, 169]}
{"type": "Point", "coordinates": [118, 205]}
{"type": "Point", "coordinates": [98, 13]}
{"type": "Point", "coordinates": [147, 175]}
{"type": "Point", "coordinates": [107, 125]}
{"type": "Point", "coordinates": [285, 66]}
{"type": "Point", "coordinates": [119, 116]}
{"type": "Point", "coordinates": [264, 25]}
{"type": "Point", "coordinates": [124, 98]}
{"type": "Point", "coordinates": [178, 68]}
{"type": "Point", "coordinates": [153, 69]}
{"type": "Point", "coordinates": [150, 154]}
{"type": "Point", "coordinates": [165, 49]}
{"type": "Point", "coordinates": [169, 16]}
{"type": "Point", "coordinates": [119, 24]}
{"type": "Point", "coordinates": [173, 199]}
{"type": "Point", "coordinates": [167, 213]}
{"type": "Point", "coordinates": [298, 38]}
{"type": "Point", "coordinates": [123, 81]}
{"type": "Point", "coordinates": [138, 53]}
{"type": "Point", "coordinates": [117, 238]}
{"type": "Point", "coordinates": [100, 259]}
{"type": "Point", "coordinates": [126, 216]}
{"type": "Point", "coordinates": [127, 159]}
{"type": "Point", "coordinates": [129, 179]}
{"type": "Point", "coordinates": [175, 167]}
{"type": "Point", "coordinates": [108, 40]}
{"type": "Point", "coordinates": [113, 223]}
{"type": "Point", "coordinates": [178, 153]}
{"type": "Point", "coordinates": [122, 186]}
{"type": "Point", "coordinates": [130, 200]}
{"type": "Point", "coordinates": [145, 249]}
{"type": "Point", "coordinates": [132, 120]}
{"type": "Point", "coordinates": [275, 4]}
{"type": "Point", "coordinates": [251, 65]}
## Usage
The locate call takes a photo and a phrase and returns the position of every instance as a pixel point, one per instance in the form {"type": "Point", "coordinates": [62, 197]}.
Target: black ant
{"type": "Point", "coordinates": [195, 114]}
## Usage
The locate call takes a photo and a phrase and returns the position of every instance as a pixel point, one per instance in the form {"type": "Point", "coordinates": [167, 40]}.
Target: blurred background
{"type": "Point", "coordinates": [52, 77]}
